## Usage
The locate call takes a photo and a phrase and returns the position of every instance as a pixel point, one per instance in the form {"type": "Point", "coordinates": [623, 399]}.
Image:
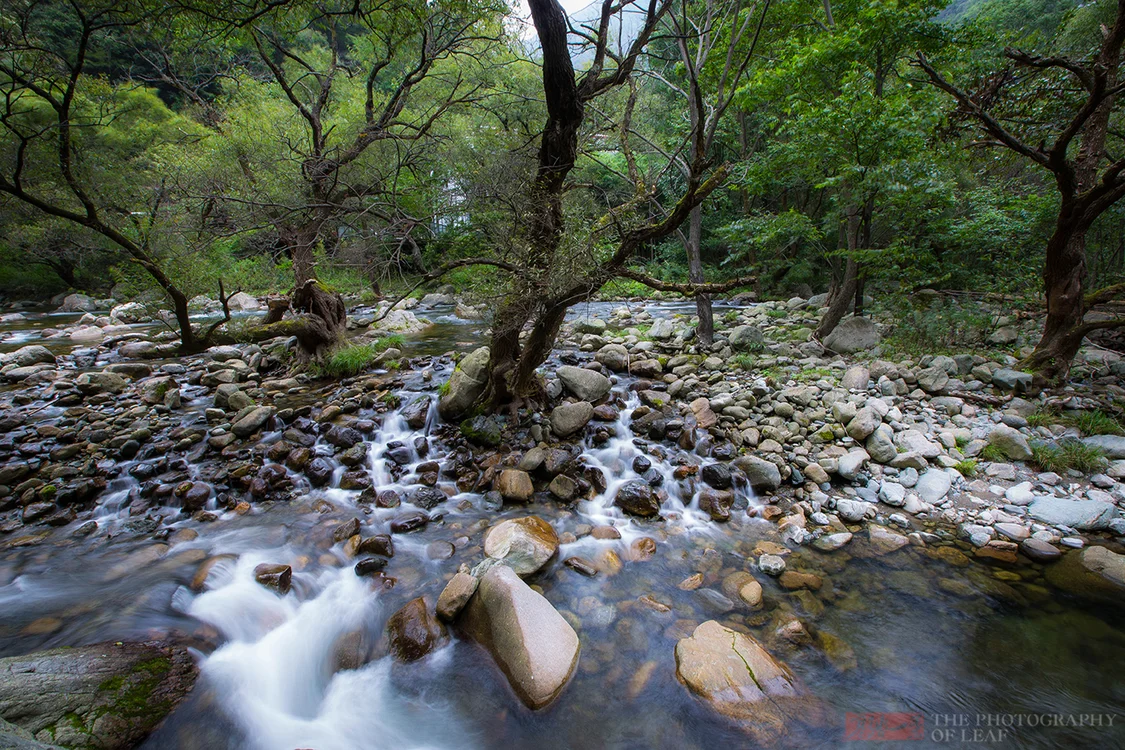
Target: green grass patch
{"type": "Point", "coordinates": [1044, 417]}
{"type": "Point", "coordinates": [993, 453]}
{"type": "Point", "coordinates": [1067, 454]}
{"type": "Point", "coordinates": [967, 468]}
{"type": "Point", "coordinates": [1096, 422]}
{"type": "Point", "coordinates": [352, 359]}
{"type": "Point", "coordinates": [744, 361]}
{"type": "Point", "coordinates": [776, 313]}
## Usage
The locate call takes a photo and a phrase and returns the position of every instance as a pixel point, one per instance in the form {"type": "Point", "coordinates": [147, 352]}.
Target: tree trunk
{"type": "Point", "coordinates": [706, 329]}
{"type": "Point", "coordinates": [1063, 278]}
{"type": "Point", "coordinates": [842, 297]}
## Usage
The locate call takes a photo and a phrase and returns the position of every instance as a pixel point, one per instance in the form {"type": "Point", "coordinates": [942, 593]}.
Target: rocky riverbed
{"type": "Point", "coordinates": [683, 548]}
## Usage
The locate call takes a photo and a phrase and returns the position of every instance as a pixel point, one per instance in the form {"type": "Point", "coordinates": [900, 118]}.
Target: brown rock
{"type": "Point", "coordinates": [274, 576]}
{"type": "Point", "coordinates": [515, 485]}
{"type": "Point", "coordinates": [413, 631]}
{"type": "Point", "coordinates": [524, 544]}
{"type": "Point", "coordinates": [456, 595]}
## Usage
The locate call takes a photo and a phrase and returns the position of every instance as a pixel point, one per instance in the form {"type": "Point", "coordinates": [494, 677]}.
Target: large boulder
{"type": "Point", "coordinates": [567, 419]}
{"type": "Point", "coordinates": [1084, 515]}
{"type": "Point", "coordinates": [523, 544]}
{"type": "Point", "coordinates": [1112, 445]}
{"type": "Point", "coordinates": [243, 302]}
{"type": "Point", "coordinates": [78, 303]}
{"type": "Point", "coordinates": [25, 356]}
{"type": "Point", "coordinates": [933, 485]}
{"type": "Point", "coordinates": [1094, 572]}
{"type": "Point", "coordinates": [740, 680]}
{"type": "Point", "coordinates": [746, 338]}
{"type": "Point", "coordinates": [762, 475]}
{"type": "Point", "coordinates": [1010, 441]}
{"type": "Point", "coordinates": [130, 312]}
{"type": "Point", "coordinates": [662, 329]}
{"type": "Point", "coordinates": [465, 386]}
{"type": "Point", "coordinates": [613, 356]}
{"type": "Point", "coordinates": [253, 421]}
{"type": "Point", "coordinates": [91, 383]}
{"type": "Point", "coordinates": [853, 335]}
{"type": "Point", "coordinates": [585, 384]}
{"type": "Point", "coordinates": [535, 648]}
{"type": "Point", "coordinates": [106, 696]}
{"type": "Point", "coordinates": [514, 484]}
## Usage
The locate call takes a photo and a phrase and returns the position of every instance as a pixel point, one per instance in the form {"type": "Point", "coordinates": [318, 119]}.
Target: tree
{"type": "Point", "coordinates": [351, 93]}
{"type": "Point", "coordinates": [550, 277]}
{"type": "Point", "coordinates": [716, 41]}
{"type": "Point", "coordinates": [1073, 147]}
{"type": "Point", "coordinates": [79, 149]}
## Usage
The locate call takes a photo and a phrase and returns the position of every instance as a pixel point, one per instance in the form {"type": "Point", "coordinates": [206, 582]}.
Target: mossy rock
{"type": "Point", "coordinates": [106, 696]}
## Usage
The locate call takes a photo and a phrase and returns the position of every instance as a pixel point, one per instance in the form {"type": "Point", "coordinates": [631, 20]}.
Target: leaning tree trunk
{"type": "Point", "coordinates": [844, 294]}
{"type": "Point", "coordinates": [706, 329]}
{"type": "Point", "coordinates": [1064, 277]}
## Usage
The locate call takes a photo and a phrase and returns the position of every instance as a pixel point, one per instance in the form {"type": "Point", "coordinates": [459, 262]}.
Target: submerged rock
{"type": "Point", "coordinates": [106, 696]}
{"type": "Point", "coordinates": [535, 648]}
{"type": "Point", "coordinates": [1095, 572]}
{"type": "Point", "coordinates": [740, 680]}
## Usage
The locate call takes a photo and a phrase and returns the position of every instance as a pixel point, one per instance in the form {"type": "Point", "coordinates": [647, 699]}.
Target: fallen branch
{"type": "Point", "coordinates": [688, 288]}
{"type": "Point", "coordinates": [982, 398]}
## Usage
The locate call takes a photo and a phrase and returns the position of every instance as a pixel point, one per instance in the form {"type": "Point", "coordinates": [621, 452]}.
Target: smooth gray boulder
{"type": "Point", "coordinates": [587, 385]}
{"type": "Point", "coordinates": [853, 335]}
{"type": "Point", "coordinates": [746, 338]}
{"type": "Point", "coordinates": [567, 419]}
{"type": "Point", "coordinates": [933, 485]}
{"type": "Point", "coordinates": [762, 475]}
{"type": "Point", "coordinates": [1084, 515]}
{"type": "Point", "coordinates": [1112, 445]}
{"type": "Point", "coordinates": [1010, 441]}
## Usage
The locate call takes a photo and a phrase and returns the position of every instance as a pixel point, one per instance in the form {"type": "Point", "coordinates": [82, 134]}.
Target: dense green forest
{"type": "Point", "coordinates": [864, 149]}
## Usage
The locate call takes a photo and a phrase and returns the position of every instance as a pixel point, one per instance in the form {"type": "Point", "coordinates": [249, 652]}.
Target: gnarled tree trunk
{"type": "Point", "coordinates": [1063, 278]}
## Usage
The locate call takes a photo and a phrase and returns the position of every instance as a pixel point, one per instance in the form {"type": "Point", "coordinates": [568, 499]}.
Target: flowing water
{"type": "Point", "coordinates": [900, 633]}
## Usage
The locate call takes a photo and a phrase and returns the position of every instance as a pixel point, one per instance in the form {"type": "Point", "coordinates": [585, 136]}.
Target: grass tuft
{"type": "Point", "coordinates": [967, 468]}
{"type": "Point", "coordinates": [993, 454]}
{"type": "Point", "coordinates": [352, 359]}
{"type": "Point", "coordinates": [1067, 454]}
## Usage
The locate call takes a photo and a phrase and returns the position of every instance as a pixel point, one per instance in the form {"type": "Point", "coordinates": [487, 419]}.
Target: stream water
{"type": "Point", "coordinates": [909, 633]}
